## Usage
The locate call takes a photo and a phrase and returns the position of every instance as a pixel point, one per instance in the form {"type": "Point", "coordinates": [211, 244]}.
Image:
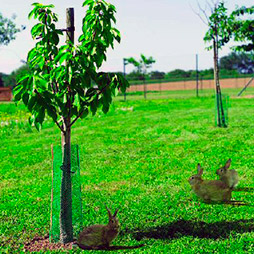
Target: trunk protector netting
{"type": "Point", "coordinates": [56, 193]}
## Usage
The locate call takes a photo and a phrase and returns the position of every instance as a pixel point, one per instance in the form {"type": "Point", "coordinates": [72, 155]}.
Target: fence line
{"type": "Point", "coordinates": [189, 85]}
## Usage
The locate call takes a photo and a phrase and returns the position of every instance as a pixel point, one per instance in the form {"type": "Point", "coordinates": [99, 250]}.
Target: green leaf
{"type": "Point", "coordinates": [65, 98]}
{"type": "Point", "coordinates": [88, 2]}
{"type": "Point", "coordinates": [37, 125]}
{"type": "Point", "coordinates": [70, 74]}
{"type": "Point", "coordinates": [105, 108]}
{"type": "Point", "coordinates": [51, 112]}
{"type": "Point", "coordinates": [17, 92]}
{"type": "Point", "coordinates": [31, 103]}
{"type": "Point", "coordinates": [41, 83]}
{"type": "Point", "coordinates": [94, 105]}
{"type": "Point", "coordinates": [37, 29]}
{"type": "Point", "coordinates": [23, 80]}
{"type": "Point", "coordinates": [64, 57]}
{"type": "Point", "coordinates": [40, 116]}
{"type": "Point", "coordinates": [85, 113]}
{"type": "Point", "coordinates": [77, 101]}
{"type": "Point", "coordinates": [25, 98]}
{"type": "Point", "coordinates": [106, 98]}
{"type": "Point", "coordinates": [31, 120]}
{"type": "Point", "coordinates": [54, 38]}
{"type": "Point", "coordinates": [31, 13]}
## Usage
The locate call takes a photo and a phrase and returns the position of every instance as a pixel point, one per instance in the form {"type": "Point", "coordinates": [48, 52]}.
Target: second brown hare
{"type": "Point", "coordinates": [230, 177]}
{"type": "Point", "coordinates": [209, 190]}
{"type": "Point", "coordinates": [100, 235]}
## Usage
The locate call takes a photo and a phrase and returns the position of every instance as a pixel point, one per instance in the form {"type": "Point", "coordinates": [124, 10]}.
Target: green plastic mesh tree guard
{"type": "Point", "coordinates": [221, 110]}
{"type": "Point", "coordinates": [56, 191]}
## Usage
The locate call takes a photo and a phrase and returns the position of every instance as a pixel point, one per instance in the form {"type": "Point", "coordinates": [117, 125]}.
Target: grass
{"type": "Point", "coordinates": [136, 158]}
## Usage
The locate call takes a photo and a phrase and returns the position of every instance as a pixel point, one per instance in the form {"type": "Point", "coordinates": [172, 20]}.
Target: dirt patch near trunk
{"type": "Point", "coordinates": [43, 244]}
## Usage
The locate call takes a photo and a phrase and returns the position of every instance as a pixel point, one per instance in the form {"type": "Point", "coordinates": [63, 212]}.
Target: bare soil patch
{"type": "Point", "coordinates": [249, 96]}
{"type": "Point", "coordinates": [43, 244]}
{"type": "Point", "coordinates": [189, 85]}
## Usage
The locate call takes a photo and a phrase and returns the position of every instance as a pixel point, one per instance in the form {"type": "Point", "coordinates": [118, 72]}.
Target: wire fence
{"type": "Point", "coordinates": [187, 84]}
{"type": "Point", "coordinates": [188, 88]}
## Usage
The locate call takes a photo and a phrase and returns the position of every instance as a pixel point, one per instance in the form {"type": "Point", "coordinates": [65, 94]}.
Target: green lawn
{"type": "Point", "coordinates": [136, 158]}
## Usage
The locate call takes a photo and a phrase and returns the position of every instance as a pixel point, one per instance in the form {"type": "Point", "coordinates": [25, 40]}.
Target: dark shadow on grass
{"type": "Point", "coordinates": [231, 202]}
{"type": "Point", "coordinates": [110, 248]}
{"type": "Point", "coordinates": [198, 229]}
{"type": "Point", "coordinates": [238, 203]}
{"type": "Point", "coordinates": [244, 189]}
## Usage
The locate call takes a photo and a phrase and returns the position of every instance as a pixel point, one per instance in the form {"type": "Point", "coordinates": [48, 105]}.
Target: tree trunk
{"type": "Point", "coordinates": [197, 75]}
{"type": "Point", "coordinates": [220, 111]}
{"type": "Point", "coordinates": [66, 230]}
{"type": "Point", "coordinates": [145, 88]}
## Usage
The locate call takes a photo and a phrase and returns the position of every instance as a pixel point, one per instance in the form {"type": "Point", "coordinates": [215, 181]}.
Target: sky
{"type": "Point", "coordinates": [170, 31]}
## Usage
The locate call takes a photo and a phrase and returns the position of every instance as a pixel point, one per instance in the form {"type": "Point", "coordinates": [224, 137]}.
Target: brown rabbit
{"type": "Point", "coordinates": [229, 177]}
{"type": "Point", "coordinates": [209, 190]}
{"type": "Point", "coordinates": [100, 235]}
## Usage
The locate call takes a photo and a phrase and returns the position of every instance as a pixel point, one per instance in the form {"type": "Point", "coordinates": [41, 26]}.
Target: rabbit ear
{"type": "Point", "coordinates": [114, 215]}
{"type": "Point", "coordinates": [200, 170]}
{"type": "Point", "coordinates": [227, 165]}
{"type": "Point", "coordinates": [109, 213]}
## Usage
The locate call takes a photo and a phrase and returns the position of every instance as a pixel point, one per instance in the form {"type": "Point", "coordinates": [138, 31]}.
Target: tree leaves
{"type": "Point", "coordinates": [141, 65]}
{"type": "Point", "coordinates": [224, 27]}
{"type": "Point", "coordinates": [8, 30]}
{"type": "Point", "coordinates": [65, 81]}
{"type": "Point", "coordinates": [98, 33]}
{"type": "Point", "coordinates": [218, 23]}
{"type": "Point", "coordinates": [243, 29]}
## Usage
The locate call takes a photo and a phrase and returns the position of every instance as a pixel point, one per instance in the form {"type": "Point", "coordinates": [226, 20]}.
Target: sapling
{"type": "Point", "coordinates": [65, 82]}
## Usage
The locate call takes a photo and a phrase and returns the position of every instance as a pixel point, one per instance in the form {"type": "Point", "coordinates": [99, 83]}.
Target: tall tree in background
{"type": "Point", "coordinates": [141, 67]}
{"type": "Point", "coordinates": [65, 83]}
{"type": "Point", "coordinates": [240, 61]}
{"type": "Point", "coordinates": [8, 30]}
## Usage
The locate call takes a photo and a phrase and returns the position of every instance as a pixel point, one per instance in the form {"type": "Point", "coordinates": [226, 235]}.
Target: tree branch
{"type": "Point", "coordinates": [81, 113]}
{"type": "Point", "coordinates": [35, 90]}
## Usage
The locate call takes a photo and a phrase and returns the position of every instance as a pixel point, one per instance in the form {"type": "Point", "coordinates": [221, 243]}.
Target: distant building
{"type": "Point", "coordinates": [5, 94]}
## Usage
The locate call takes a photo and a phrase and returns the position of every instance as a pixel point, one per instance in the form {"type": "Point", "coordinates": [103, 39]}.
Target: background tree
{"type": "Point", "coordinates": [242, 62]}
{"type": "Point", "coordinates": [12, 79]}
{"type": "Point", "coordinates": [135, 75]}
{"type": "Point", "coordinates": [141, 66]}
{"type": "Point", "coordinates": [65, 83]}
{"type": "Point", "coordinates": [1, 80]}
{"type": "Point", "coordinates": [218, 35]}
{"type": "Point", "coordinates": [178, 73]}
{"type": "Point", "coordinates": [8, 29]}
{"type": "Point", "coordinates": [241, 28]}
{"type": "Point", "coordinates": [157, 75]}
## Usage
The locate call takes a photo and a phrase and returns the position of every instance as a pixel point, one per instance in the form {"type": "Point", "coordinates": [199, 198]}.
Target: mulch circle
{"type": "Point", "coordinates": [43, 243]}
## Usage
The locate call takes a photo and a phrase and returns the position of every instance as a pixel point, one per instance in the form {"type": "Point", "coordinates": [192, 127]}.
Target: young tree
{"type": "Point", "coordinates": [141, 67]}
{"type": "Point", "coordinates": [65, 83]}
{"type": "Point", "coordinates": [8, 30]}
{"type": "Point", "coordinates": [218, 35]}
